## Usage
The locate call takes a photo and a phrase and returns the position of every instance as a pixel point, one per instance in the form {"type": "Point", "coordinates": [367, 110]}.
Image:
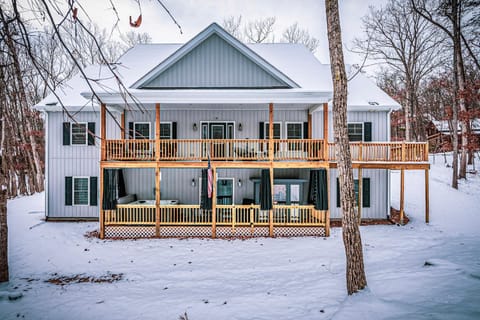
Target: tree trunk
{"type": "Point", "coordinates": [3, 237]}
{"type": "Point", "coordinates": [460, 82]}
{"type": "Point", "coordinates": [355, 272]}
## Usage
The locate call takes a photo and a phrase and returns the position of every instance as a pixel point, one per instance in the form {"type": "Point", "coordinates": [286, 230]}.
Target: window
{"type": "Point", "coordinates": [294, 131]}
{"type": "Point", "coordinates": [365, 192]}
{"type": "Point", "coordinates": [166, 130]}
{"type": "Point", "coordinates": [141, 130]}
{"type": "Point", "coordinates": [286, 193]}
{"type": "Point", "coordinates": [355, 131]}
{"type": "Point", "coordinates": [280, 193]}
{"type": "Point", "coordinates": [81, 191]}
{"type": "Point", "coordinates": [277, 132]}
{"type": "Point", "coordinates": [79, 133]}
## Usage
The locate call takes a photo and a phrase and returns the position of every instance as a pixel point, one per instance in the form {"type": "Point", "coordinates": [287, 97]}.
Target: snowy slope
{"type": "Point", "coordinates": [299, 278]}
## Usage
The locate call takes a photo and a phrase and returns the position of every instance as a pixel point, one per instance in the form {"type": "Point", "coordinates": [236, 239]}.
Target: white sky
{"type": "Point", "coordinates": [195, 15]}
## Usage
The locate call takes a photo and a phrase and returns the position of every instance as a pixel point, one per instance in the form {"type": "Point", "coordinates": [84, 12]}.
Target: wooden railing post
{"type": "Point", "coordinates": [426, 151]}
{"type": "Point", "coordinates": [403, 151]}
{"type": "Point", "coordinates": [214, 203]}
{"type": "Point", "coordinates": [103, 131]}
{"type": "Point", "coordinates": [100, 204]}
{"type": "Point", "coordinates": [360, 151]}
{"type": "Point", "coordinates": [157, 201]}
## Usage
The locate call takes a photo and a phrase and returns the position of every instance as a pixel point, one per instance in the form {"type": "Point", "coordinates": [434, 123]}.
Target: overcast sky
{"type": "Point", "coordinates": [195, 15]}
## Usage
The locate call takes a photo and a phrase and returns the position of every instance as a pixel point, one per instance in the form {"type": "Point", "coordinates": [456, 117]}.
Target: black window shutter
{"type": "Point", "coordinates": [367, 131]}
{"type": "Point", "coordinates": [338, 194]}
{"type": "Point", "coordinates": [174, 130]}
{"type": "Point", "coordinates": [91, 133]}
{"type": "Point", "coordinates": [366, 192]}
{"type": "Point", "coordinates": [66, 133]}
{"type": "Point", "coordinates": [68, 191]}
{"type": "Point", "coordinates": [130, 130]}
{"type": "Point", "coordinates": [305, 130]}
{"type": "Point", "coordinates": [93, 191]}
{"type": "Point", "coordinates": [261, 130]}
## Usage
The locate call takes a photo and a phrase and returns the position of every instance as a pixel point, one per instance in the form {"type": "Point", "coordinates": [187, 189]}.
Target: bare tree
{"type": "Point", "coordinates": [295, 34]}
{"type": "Point", "coordinates": [401, 39]}
{"type": "Point", "coordinates": [133, 38]}
{"type": "Point", "coordinates": [449, 18]}
{"type": "Point", "coordinates": [260, 30]}
{"type": "Point", "coordinates": [233, 25]}
{"type": "Point", "coordinates": [355, 272]}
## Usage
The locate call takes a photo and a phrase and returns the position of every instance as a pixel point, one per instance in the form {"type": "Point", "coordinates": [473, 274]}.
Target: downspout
{"type": "Point", "coordinates": [45, 181]}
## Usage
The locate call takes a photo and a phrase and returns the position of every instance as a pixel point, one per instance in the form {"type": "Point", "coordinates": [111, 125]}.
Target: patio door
{"type": "Point", "coordinates": [218, 131]}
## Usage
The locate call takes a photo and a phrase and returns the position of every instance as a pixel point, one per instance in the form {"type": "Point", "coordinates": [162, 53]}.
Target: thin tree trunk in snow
{"type": "Point", "coordinates": [3, 237]}
{"type": "Point", "coordinates": [355, 272]}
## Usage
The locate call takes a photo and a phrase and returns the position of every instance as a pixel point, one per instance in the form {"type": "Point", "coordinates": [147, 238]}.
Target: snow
{"type": "Point", "coordinates": [417, 271]}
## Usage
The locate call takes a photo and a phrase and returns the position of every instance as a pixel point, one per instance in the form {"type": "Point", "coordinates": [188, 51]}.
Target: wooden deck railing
{"type": "Point", "coordinates": [257, 150]}
{"type": "Point", "coordinates": [384, 151]}
{"type": "Point", "coordinates": [226, 215]}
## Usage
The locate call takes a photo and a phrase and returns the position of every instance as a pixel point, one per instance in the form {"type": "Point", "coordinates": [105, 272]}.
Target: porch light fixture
{"type": "Point", "coordinates": [239, 183]}
{"type": "Point", "coordinates": [194, 126]}
{"type": "Point", "coordinates": [194, 183]}
{"type": "Point", "coordinates": [240, 127]}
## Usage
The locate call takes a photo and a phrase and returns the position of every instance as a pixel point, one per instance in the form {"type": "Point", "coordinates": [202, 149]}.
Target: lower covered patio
{"type": "Point", "coordinates": [245, 204]}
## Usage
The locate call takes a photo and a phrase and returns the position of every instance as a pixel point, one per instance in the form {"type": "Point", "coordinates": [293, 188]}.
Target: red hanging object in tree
{"type": "Point", "coordinates": [136, 23]}
{"type": "Point", "coordinates": [74, 13]}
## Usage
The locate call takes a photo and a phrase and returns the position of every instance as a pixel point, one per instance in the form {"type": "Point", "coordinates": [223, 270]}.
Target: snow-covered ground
{"type": "Point", "coordinates": [417, 271]}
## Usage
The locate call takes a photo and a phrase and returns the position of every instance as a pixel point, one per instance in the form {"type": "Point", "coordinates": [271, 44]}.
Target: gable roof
{"type": "Point", "coordinates": [241, 55]}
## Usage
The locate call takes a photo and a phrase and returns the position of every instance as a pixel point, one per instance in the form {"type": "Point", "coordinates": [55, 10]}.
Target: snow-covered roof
{"type": "Point", "coordinates": [293, 62]}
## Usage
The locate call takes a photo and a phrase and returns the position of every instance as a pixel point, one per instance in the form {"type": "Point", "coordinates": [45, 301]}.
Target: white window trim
{"type": "Point", "coordinates": [293, 122]}
{"type": "Point", "coordinates": [363, 129]}
{"type": "Point", "coordinates": [265, 128]}
{"type": "Point", "coordinates": [149, 129]}
{"type": "Point", "coordinates": [86, 134]}
{"type": "Point", "coordinates": [73, 191]}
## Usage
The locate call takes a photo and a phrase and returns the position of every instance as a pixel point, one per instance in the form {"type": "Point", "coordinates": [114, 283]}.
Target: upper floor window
{"type": "Point", "coordinates": [355, 131]}
{"type": "Point", "coordinates": [294, 130]}
{"type": "Point", "coordinates": [277, 130]}
{"type": "Point", "coordinates": [166, 130]}
{"type": "Point", "coordinates": [141, 130]}
{"type": "Point", "coordinates": [78, 133]}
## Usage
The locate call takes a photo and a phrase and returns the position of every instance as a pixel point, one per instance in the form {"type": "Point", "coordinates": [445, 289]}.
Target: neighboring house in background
{"type": "Point", "coordinates": [209, 103]}
{"type": "Point", "coordinates": [439, 135]}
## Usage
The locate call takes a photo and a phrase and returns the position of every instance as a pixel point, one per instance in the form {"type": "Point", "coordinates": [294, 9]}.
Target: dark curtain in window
{"type": "Point", "coordinates": [318, 189]}
{"type": "Point", "coordinates": [121, 184]}
{"type": "Point", "coordinates": [265, 191]}
{"type": "Point", "coordinates": [205, 201]}
{"type": "Point", "coordinates": [113, 188]}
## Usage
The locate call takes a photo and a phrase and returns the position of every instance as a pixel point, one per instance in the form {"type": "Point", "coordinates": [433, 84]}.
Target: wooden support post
{"type": "Point", "coordinates": [157, 201]}
{"type": "Point", "coordinates": [327, 218]}
{"type": "Point", "coordinates": [270, 213]}
{"type": "Point", "coordinates": [157, 131]}
{"type": "Point", "coordinates": [360, 198]}
{"type": "Point", "coordinates": [427, 198]}
{"type": "Point", "coordinates": [270, 133]}
{"type": "Point", "coordinates": [102, 213]}
{"type": "Point", "coordinates": [122, 125]}
{"type": "Point", "coordinates": [103, 131]}
{"type": "Point", "coordinates": [403, 151]}
{"type": "Point", "coordinates": [325, 131]}
{"type": "Point", "coordinates": [214, 203]}
{"type": "Point", "coordinates": [402, 194]}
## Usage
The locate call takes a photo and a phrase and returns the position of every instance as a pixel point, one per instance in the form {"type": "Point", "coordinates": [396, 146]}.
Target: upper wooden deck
{"type": "Point", "coordinates": [257, 150]}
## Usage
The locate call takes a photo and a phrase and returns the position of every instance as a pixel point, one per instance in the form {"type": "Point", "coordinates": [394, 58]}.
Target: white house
{"type": "Point", "coordinates": [134, 155]}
